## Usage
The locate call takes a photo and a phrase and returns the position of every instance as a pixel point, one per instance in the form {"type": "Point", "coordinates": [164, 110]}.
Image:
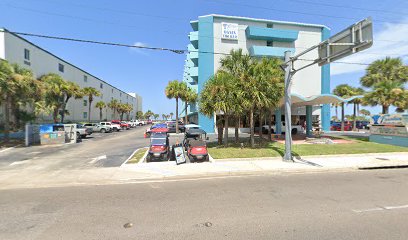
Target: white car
{"type": "Point", "coordinates": [96, 127]}
{"type": "Point", "coordinates": [114, 127]}
{"type": "Point", "coordinates": [295, 129]}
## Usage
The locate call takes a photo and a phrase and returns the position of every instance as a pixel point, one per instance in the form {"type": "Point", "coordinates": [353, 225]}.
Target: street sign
{"type": "Point", "coordinates": [355, 38]}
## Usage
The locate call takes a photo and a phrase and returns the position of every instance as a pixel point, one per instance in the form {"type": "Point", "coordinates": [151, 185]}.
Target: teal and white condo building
{"type": "Point", "coordinates": [213, 36]}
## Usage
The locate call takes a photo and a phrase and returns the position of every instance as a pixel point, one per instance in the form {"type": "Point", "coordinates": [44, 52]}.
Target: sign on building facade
{"type": "Point", "coordinates": [229, 31]}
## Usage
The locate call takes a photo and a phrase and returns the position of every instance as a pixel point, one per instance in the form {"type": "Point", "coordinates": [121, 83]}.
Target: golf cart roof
{"type": "Point", "coordinates": [195, 131]}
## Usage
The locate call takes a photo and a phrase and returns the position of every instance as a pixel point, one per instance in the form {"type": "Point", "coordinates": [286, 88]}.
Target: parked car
{"type": "Point", "coordinates": [96, 127]}
{"type": "Point", "coordinates": [125, 125]}
{"type": "Point", "coordinates": [159, 148]}
{"type": "Point", "coordinates": [149, 121]}
{"type": "Point", "coordinates": [295, 129]}
{"type": "Point", "coordinates": [121, 125]}
{"type": "Point", "coordinates": [82, 131]}
{"type": "Point", "coordinates": [114, 126]}
{"type": "Point", "coordinates": [336, 126]}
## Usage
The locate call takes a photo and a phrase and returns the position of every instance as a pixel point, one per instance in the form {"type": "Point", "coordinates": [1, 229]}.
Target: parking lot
{"type": "Point", "coordinates": [97, 150]}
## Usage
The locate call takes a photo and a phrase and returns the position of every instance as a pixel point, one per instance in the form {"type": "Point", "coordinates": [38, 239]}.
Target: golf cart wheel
{"type": "Point", "coordinates": [294, 131]}
{"type": "Point", "coordinates": [207, 159]}
{"type": "Point", "coordinates": [103, 130]}
{"type": "Point", "coordinates": [147, 158]}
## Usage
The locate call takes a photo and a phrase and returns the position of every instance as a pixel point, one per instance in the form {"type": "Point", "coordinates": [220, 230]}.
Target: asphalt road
{"type": "Point", "coordinates": [355, 205]}
{"type": "Point", "coordinates": [98, 150]}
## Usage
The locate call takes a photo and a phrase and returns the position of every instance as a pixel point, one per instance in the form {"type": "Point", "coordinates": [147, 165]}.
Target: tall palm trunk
{"type": "Point", "coordinates": [64, 107]}
{"type": "Point", "coordinates": [385, 109]}
{"type": "Point", "coordinates": [7, 119]}
{"type": "Point", "coordinates": [185, 108]}
{"type": "Point", "coordinates": [342, 116]}
{"type": "Point", "coordinates": [355, 116]}
{"type": "Point", "coordinates": [270, 125]}
{"type": "Point", "coordinates": [177, 129]}
{"type": "Point", "coordinates": [237, 123]}
{"type": "Point", "coordinates": [55, 114]}
{"type": "Point", "coordinates": [260, 125]}
{"type": "Point", "coordinates": [226, 130]}
{"type": "Point", "coordinates": [337, 115]}
{"type": "Point", "coordinates": [251, 127]}
{"type": "Point", "coordinates": [89, 111]}
{"type": "Point", "coordinates": [100, 114]}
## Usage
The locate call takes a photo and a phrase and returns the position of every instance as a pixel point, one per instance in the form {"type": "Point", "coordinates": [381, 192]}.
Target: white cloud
{"type": "Point", "coordinates": [140, 50]}
{"type": "Point", "coordinates": [390, 41]}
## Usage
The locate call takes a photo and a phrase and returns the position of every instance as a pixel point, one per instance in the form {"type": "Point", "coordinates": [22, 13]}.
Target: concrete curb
{"type": "Point", "coordinates": [309, 156]}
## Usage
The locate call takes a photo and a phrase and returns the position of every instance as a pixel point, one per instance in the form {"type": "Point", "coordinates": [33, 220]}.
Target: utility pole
{"type": "Point", "coordinates": [288, 111]}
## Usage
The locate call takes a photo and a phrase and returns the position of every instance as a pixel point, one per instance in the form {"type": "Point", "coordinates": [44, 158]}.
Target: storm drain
{"type": "Point", "coordinates": [383, 167]}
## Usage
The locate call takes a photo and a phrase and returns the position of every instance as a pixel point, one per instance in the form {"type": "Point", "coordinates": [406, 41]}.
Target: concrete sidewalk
{"type": "Point", "coordinates": [159, 171]}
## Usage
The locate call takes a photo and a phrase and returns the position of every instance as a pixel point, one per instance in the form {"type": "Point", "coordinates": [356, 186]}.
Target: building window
{"type": "Point", "coordinates": [85, 115]}
{"type": "Point", "coordinates": [269, 25]}
{"type": "Point", "coordinates": [60, 67]}
{"type": "Point", "coordinates": [112, 90]}
{"type": "Point", "coordinates": [85, 78]}
{"type": "Point", "coordinates": [26, 54]}
{"type": "Point", "coordinates": [85, 103]}
{"type": "Point", "coordinates": [101, 85]}
{"type": "Point", "coordinates": [269, 43]}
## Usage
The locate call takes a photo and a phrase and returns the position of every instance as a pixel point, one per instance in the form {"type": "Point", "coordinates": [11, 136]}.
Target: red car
{"type": "Point", "coordinates": [337, 126]}
{"type": "Point", "coordinates": [123, 125]}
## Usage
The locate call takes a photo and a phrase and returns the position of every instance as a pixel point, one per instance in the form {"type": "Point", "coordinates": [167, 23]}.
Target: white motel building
{"type": "Point", "coordinates": [16, 49]}
{"type": "Point", "coordinates": [220, 34]}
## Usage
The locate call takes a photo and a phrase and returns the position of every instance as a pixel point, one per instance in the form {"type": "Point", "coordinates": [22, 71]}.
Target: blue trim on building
{"type": "Point", "coordinates": [325, 87]}
{"type": "Point", "coordinates": [263, 33]}
{"type": "Point", "coordinates": [261, 51]}
{"type": "Point", "coordinates": [206, 63]}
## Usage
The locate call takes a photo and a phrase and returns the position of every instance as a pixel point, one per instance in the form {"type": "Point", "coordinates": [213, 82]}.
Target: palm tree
{"type": "Point", "coordinates": [171, 115]}
{"type": "Point", "coordinates": [54, 93]}
{"type": "Point", "coordinates": [388, 69]}
{"type": "Point", "coordinates": [270, 85]}
{"type": "Point", "coordinates": [189, 97]}
{"type": "Point", "coordinates": [164, 116]}
{"type": "Point", "coordinates": [344, 91]}
{"type": "Point", "coordinates": [90, 92]}
{"type": "Point", "coordinates": [356, 103]}
{"type": "Point", "coordinates": [139, 115]}
{"type": "Point", "coordinates": [217, 97]}
{"type": "Point", "coordinates": [128, 108]}
{"type": "Point", "coordinates": [386, 79]}
{"type": "Point", "coordinates": [387, 93]}
{"type": "Point", "coordinates": [148, 114]}
{"type": "Point", "coordinates": [156, 116]}
{"type": "Point", "coordinates": [69, 90]}
{"type": "Point", "coordinates": [239, 65]}
{"type": "Point", "coordinates": [176, 90]}
{"type": "Point", "coordinates": [101, 105]}
{"type": "Point", "coordinates": [365, 112]}
{"type": "Point", "coordinates": [113, 104]}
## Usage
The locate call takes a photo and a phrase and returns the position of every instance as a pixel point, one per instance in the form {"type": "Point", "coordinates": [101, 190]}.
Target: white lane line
{"type": "Point", "coordinates": [396, 207]}
{"type": "Point", "coordinates": [380, 209]}
{"type": "Point", "coordinates": [19, 162]}
{"type": "Point", "coordinates": [368, 210]}
{"type": "Point", "coordinates": [94, 160]}
{"type": "Point", "coordinates": [6, 149]}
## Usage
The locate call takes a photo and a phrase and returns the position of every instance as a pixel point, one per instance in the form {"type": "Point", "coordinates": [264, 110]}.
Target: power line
{"type": "Point", "coordinates": [297, 12]}
{"type": "Point", "coordinates": [347, 7]}
{"type": "Point", "coordinates": [177, 51]}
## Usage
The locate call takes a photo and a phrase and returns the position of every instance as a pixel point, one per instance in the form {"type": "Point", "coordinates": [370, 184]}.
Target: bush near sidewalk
{"type": "Point", "coordinates": [275, 149]}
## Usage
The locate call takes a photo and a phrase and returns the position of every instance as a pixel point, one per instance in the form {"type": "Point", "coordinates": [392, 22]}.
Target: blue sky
{"type": "Point", "coordinates": [165, 23]}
